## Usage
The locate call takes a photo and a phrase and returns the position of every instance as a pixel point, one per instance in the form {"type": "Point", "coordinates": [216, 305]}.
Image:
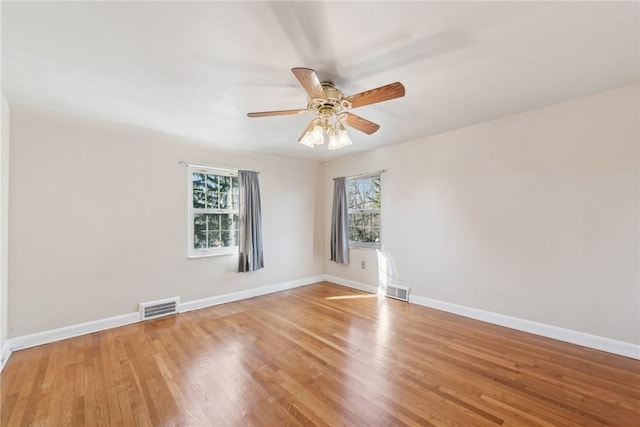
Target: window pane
{"type": "Point", "coordinates": [223, 196]}
{"type": "Point", "coordinates": [229, 231]}
{"type": "Point", "coordinates": [224, 222]}
{"type": "Point", "coordinates": [199, 231]}
{"type": "Point", "coordinates": [235, 199]}
{"type": "Point", "coordinates": [352, 194]}
{"type": "Point", "coordinates": [353, 234]}
{"type": "Point", "coordinates": [224, 183]}
{"type": "Point", "coordinates": [199, 222]}
{"type": "Point", "coordinates": [375, 186]}
{"type": "Point", "coordinates": [362, 194]}
{"type": "Point", "coordinates": [212, 200]}
{"type": "Point", "coordinates": [212, 183]}
{"type": "Point", "coordinates": [198, 181]}
{"type": "Point", "coordinates": [366, 220]}
{"type": "Point", "coordinates": [356, 220]}
{"type": "Point", "coordinates": [366, 193]}
{"type": "Point", "coordinates": [234, 183]}
{"type": "Point", "coordinates": [198, 199]}
{"type": "Point", "coordinates": [375, 220]}
{"type": "Point", "coordinates": [200, 240]}
{"type": "Point", "coordinates": [225, 238]}
{"type": "Point", "coordinates": [214, 239]}
{"type": "Point", "coordinates": [356, 227]}
{"type": "Point", "coordinates": [223, 200]}
{"type": "Point", "coordinates": [213, 222]}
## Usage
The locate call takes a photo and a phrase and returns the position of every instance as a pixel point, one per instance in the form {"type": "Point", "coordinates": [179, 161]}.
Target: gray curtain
{"type": "Point", "coordinates": [251, 256]}
{"type": "Point", "coordinates": [340, 223]}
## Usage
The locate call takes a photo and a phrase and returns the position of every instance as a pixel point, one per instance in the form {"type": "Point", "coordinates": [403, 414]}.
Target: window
{"type": "Point", "coordinates": [213, 212]}
{"type": "Point", "coordinates": [363, 200]}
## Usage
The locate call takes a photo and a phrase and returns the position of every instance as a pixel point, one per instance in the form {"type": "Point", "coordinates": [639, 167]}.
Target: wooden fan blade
{"type": "Point", "coordinates": [309, 127]}
{"type": "Point", "coordinates": [363, 125]}
{"type": "Point", "coordinates": [275, 113]}
{"type": "Point", "coordinates": [379, 94]}
{"type": "Point", "coordinates": [309, 81]}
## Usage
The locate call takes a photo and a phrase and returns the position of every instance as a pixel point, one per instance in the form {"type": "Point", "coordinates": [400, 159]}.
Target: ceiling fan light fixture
{"type": "Point", "coordinates": [306, 140]}
{"type": "Point", "coordinates": [333, 142]}
{"type": "Point", "coordinates": [343, 137]}
{"type": "Point", "coordinates": [317, 135]}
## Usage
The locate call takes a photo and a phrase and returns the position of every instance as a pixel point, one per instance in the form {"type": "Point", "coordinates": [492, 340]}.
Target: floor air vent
{"type": "Point", "coordinates": [397, 292]}
{"type": "Point", "coordinates": [164, 307]}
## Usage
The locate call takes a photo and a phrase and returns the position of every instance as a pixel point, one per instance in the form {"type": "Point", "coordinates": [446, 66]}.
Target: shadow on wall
{"type": "Point", "coordinates": [387, 271]}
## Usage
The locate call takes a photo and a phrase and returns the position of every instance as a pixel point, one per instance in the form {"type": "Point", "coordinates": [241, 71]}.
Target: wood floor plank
{"type": "Point", "coordinates": [320, 355]}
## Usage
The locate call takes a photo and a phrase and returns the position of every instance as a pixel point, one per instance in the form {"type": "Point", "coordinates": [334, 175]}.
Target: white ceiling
{"type": "Point", "coordinates": [195, 69]}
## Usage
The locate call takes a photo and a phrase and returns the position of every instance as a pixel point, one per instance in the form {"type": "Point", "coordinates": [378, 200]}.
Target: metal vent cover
{"type": "Point", "coordinates": [159, 308]}
{"type": "Point", "coordinates": [397, 292]}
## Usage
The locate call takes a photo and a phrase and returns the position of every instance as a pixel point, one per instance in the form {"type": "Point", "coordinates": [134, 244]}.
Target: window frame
{"type": "Point", "coordinates": [192, 252]}
{"type": "Point", "coordinates": [365, 245]}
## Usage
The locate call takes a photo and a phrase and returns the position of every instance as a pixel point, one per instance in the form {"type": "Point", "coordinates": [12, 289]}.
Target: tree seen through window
{"type": "Point", "coordinates": [215, 210]}
{"type": "Point", "coordinates": [364, 203]}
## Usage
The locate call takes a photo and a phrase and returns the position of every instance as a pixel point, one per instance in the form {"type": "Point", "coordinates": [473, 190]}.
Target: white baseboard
{"type": "Point", "coordinates": [45, 337]}
{"type": "Point", "coordinates": [5, 352]}
{"type": "Point", "coordinates": [609, 345]}
{"type": "Point", "coordinates": [351, 284]}
{"type": "Point", "coordinates": [567, 335]}
{"type": "Point", "coordinates": [597, 342]}
{"type": "Point", "coordinates": [249, 293]}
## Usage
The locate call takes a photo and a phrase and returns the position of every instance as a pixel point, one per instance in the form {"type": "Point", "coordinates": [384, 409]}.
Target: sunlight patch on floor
{"type": "Point", "coordinates": [353, 296]}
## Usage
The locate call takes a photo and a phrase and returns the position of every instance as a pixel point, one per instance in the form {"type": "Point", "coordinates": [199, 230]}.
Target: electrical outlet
{"type": "Point", "coordinates": [362, 264]}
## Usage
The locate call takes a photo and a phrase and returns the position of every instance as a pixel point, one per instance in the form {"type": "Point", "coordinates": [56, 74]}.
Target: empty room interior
{"type": "Point", "coordinates": [320, 213]}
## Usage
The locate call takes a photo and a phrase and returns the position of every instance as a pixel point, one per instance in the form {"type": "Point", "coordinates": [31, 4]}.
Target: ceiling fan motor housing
{"type": "Point", "coordinates": [335, 102]}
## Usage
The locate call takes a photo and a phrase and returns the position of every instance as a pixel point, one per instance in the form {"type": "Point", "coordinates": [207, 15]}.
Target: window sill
{"type": "Point", "coordinates": [211, 254]}
{"type": "Point", "coordinates": [366, 248]}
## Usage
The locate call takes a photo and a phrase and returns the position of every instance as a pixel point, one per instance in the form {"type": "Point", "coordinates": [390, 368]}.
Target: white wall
{"type": "Point", "coordinates": [4, 221]}
{"type": "Point", "coordinates": [533, 216]}
{"type": "Point", "coordinates": [98, 221]}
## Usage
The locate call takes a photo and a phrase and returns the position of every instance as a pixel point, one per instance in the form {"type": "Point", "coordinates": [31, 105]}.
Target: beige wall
{"type": "Point", "coordinates": [4, 219]}
{"type": "Point", "coordinates": [533, 216]}
{"type": "Point", "coordinates": [99, 221]}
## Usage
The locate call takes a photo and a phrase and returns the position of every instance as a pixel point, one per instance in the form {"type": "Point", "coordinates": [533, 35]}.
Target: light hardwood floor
{"type": "Point", "coordinates": [317, 355]}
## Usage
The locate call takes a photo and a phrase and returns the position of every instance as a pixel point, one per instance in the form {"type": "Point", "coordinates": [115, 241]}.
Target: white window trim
{"type": "Point", "coordinates": [209, 252]}
{"type": "Point", "coordinates": [365, 245]}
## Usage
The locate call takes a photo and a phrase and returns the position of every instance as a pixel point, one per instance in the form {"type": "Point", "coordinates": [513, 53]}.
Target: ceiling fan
{"type": "Point", "coordinates": [332, 109]}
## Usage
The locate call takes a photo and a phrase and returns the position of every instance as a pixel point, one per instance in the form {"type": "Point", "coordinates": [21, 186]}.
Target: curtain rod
{"type": "Point", "coordinates": [360, 175]}
{"type": "Point", "coordinates": [211, 167]}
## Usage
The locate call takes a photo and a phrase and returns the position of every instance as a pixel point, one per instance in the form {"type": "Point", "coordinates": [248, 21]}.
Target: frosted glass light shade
{"type": "Point", "coordinates": [343, 138]}
{"type": "Point", "coordinates": [306, 140]}
{"type": "Point", "coordinates": [317, 135]}
{"type": "Point", "coordinates": [333, 143]}
{"type": "Point", "coordinates": [336, 135]}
